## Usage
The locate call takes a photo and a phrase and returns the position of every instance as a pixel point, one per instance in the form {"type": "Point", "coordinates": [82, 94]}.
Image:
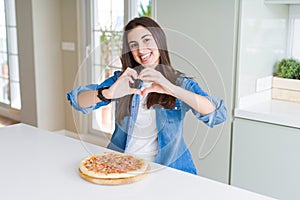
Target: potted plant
{"type": "Point", "coordinates": [286, 82]}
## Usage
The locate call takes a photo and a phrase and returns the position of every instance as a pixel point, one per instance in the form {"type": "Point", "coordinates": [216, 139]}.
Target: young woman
{"type": "Point", "coordinates": [149, 117]}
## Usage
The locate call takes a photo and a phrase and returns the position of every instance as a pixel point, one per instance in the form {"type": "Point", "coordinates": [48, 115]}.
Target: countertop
{"type": "Point", "coordinates": [38, 164]}
{"type": "Point", "coordinates": [272, 111]}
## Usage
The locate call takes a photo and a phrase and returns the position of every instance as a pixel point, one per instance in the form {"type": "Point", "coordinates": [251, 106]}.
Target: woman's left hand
{"type": "Point", "coordinates": [160, 83]}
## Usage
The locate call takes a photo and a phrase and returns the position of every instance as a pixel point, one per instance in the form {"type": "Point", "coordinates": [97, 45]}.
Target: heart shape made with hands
{"type": "Point", "coordinates": [136, 84]}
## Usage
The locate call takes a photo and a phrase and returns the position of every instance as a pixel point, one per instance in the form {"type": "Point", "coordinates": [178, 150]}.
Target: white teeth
{"type": "Point", "coordinates": [145, 56]}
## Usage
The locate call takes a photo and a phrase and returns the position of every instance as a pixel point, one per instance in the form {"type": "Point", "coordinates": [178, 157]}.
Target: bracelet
{"type": "Point", "coordinates": [100, 95]}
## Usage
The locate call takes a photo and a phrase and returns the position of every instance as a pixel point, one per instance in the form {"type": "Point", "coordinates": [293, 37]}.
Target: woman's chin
{"type": "Point", "coordinates": [149, 65]}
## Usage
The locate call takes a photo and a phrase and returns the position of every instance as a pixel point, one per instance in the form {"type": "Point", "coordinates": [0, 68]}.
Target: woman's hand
{"type": "Point", "coordinates": [121, 87]}
{"type": "Point", "coordinates": [160, 83]}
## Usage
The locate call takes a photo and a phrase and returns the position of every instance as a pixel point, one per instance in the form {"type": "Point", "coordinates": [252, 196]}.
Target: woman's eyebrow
{"type": "Point", "coordinates": [131, 42]}
{"type": "Point", "coordinates": [146, 36]}
{"type": "Point", "coordinates": [141, 38]}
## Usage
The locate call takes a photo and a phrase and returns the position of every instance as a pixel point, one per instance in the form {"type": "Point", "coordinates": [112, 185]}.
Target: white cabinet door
{"type": "Point", "coordinates": [266, 159]}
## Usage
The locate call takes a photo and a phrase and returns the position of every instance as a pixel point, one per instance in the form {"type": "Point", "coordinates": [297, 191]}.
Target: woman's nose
{"type": "Point", "coordinates": [142, 47]}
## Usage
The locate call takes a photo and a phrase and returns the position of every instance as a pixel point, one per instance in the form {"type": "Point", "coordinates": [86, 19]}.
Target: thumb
{"type": "Point", "coordinates": [146, 91]}
{"type": "Point", "coordinates": [136, 91]}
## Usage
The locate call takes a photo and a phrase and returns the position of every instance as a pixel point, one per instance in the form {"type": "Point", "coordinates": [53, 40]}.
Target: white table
{"type": "Point", "coordinates": [37, 164]}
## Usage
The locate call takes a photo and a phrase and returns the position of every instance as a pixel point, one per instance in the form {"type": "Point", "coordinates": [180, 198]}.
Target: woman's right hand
{"type": "Point", "coordinates": [121, 87]}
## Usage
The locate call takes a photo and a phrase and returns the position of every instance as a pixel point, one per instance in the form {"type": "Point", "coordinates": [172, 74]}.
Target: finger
{"type": "Point", "coordinates": [131, 72]}
{"type": "Point", "coordinates": [130, 79]}
{"type": "Point", "coordinates": [149, 78]}
{"type": "Point", "coordinates": [148, 90]}
{"type": "Point", "coordinates": [149, 73]}
{"type": "Point", "coordinates": [127, 72]}
{"type": "Point", "coordinates": [145, 71]}
{"type": "Point", "coordinates": [145, 91]}
{"type": "Point", "coordinates": [136, 91]}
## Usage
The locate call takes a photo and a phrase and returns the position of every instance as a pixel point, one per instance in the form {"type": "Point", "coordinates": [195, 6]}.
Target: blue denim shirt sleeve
{"type": "Point", "coordinates": [72, 95]}
{"type": "Point", "coordinates": [211, 119]}
{"type": "Point", "coordinates": [216, 117]}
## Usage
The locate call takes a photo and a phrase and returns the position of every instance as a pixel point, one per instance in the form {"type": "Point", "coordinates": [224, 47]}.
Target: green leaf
{"type": "Point", "coordinates": [288, 68]}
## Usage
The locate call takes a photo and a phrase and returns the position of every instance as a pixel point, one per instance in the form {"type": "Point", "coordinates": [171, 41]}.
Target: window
{"type": "Point", "coordinates": [108, 18]}
{"type": "Point", "coordinates": [9, 60]}
{"type": "Point", "coordinates": [107, 24]}
{"type": "Point", "coordinates": [294, 41]}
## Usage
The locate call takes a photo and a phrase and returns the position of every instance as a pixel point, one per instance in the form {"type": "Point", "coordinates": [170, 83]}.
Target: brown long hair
{"type": "Point", "coordinates": [164, 66]}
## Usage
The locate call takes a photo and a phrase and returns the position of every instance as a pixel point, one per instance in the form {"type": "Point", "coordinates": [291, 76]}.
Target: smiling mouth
{"type": "Point", "coordinates": [145, 57]}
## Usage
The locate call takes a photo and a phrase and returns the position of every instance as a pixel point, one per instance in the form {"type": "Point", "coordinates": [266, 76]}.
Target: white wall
{"type": "Point", "coordinates": [201, 38]}
{"type": "Point", "coordinates": [28, 113]}
{"type": "Point", "coordinates": [46, 72]}
{"type": "Point", "coordinates": [41, 72]}
{"type": "Point", "coordinates": [70, 59]}
{"type": "Point", "coordinates": [48, 63]}
{"type": "Point", "coordinates": [262, 42]}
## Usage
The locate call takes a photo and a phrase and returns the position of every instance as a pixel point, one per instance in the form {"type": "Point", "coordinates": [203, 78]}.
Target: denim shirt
{"type": "Point", "coordinates": [172, 150]}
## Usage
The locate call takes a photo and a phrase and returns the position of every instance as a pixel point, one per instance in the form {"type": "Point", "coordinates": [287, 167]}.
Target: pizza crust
{"type": "Point", "coordinates": [115, 181]}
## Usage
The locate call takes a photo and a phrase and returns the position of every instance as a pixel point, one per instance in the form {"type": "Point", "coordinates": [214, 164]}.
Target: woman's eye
{"type": "Point", "coordinates": [133, 46]}
{"type": "Point", "coordinates": [147, 39]}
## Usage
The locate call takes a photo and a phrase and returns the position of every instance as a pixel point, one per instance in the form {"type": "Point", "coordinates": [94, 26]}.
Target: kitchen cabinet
{"type": "Point", "coordinates": [265, 158]}
{"type": "Point", "coordinates": [266, 132]}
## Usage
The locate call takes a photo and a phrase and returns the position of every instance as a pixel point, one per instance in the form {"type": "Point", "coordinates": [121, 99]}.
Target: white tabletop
{"type": "Point", "coordinates": [37, 164]}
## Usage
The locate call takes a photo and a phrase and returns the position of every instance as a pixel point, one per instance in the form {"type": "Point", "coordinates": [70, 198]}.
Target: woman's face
{"type": "Point", "coordinates": [143, 47]}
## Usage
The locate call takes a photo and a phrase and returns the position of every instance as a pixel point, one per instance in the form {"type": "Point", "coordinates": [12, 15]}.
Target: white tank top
{"type": "Point", "coordinates": [143, 141]}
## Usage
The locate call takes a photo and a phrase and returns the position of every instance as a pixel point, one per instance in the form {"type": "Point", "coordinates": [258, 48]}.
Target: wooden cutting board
{"type": "Point", "coordinates": [114, 181]}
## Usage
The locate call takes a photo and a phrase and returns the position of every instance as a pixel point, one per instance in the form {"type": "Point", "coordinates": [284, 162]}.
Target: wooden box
{"type": "Point", "coordinates": [286, 89]}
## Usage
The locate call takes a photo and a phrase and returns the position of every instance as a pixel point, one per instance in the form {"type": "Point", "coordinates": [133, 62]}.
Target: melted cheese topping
{"type": "Point", "coordinates": [112, 165]}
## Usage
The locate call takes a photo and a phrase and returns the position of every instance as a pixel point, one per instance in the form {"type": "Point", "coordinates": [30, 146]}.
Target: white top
{"type": "Point", "coordinates": [143, 141]}
{"type": "Point", "coordinates": [38, 164]}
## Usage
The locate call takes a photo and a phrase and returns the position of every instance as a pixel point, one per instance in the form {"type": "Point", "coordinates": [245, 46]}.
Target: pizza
{"type": "Point", "coordinates": [112, 168]}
